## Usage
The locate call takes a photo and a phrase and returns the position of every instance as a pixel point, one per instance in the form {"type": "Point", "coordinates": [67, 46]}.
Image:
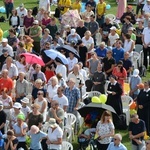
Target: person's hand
{"type": "Point", "coordinates": [48, 142]}
{"type": "Point", "coordinates": [113, 93]}
{"type": "Point", "coordinates": [75, 108]}
{"type": "Point", "coordinates": [140, 106]}
{"type": "Point", "coordinates": [131, 137]}
{"type": "Point", "coordinates": [53, 110]}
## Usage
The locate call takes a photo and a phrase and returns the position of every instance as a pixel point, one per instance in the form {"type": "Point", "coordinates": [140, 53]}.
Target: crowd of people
{"type": "Point", "coordinates": [105, 50]}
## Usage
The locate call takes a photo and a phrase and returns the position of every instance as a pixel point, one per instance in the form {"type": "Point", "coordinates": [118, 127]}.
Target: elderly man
{"type": "Point", "coordinates": [5, 45]}
{"type": "Point", "coordinates": [21, 87]}
{"type": "Point", "coordinates": [6, 82]}
{"type": "Point", "coordinates": [117, 145]}
{"type": "Point", "coordinates": [38, 74]}
{"type": "Point", "coordinates": [56, 112]}
{"type": "Point", "coordinates": [137, 130]}
{"type": "Point", "coordinates": [12, 69]}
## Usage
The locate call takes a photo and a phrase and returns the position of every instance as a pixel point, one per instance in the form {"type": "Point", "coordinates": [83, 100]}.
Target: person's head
{"type": "Point", "coordinates": [5, 51]}
{"type": "Point", "coordinates": [127, 36]}
{"type": "Point", "coordinates": [57, 35]}
{"type": "Point", "coordinates": [40, 94]}
{"type": "Point", "coordinates": [73, 32]}
{"type": "Point", "coordinates": [47, 45]}
{"type": "Point", "coordinates": [54, 104]}
{"type": "Point", "coordinates": [46, 14]}
{"type": "Point", "coordinates": [21, 76]}
{"type": "Point", "coordinates": [10, 134]}
{"type": "Point", "coordinates": [117, 139]}
{"type": "Point", "coordinates": [60, 90]}
{"type": "Point", "coordinates": [38, 83]}
{"type": "Point", "coordinates": [22, 59]}
{"type": "Point", "coordinates": [14, 12]}
{"type": "Point", "coordinates": [21, 7]}
{"type": "Point", "coordinates": [120, 65]}
{"type": "Point", "coordinates": [1, 105]}
{"type": "Point", "coordinates": [112, 79]}
{"type": "Point", "coordinates": [87, 34]}
{"type": "Point", "coordinates": [140, 23]}
{"type": "Point", "coordinates": [71, 82]}
{"type": "Point", "coordinates": [113, 30]}
{"type": "Point", "coordinates": [118, 44]}
{"type": "Point", "coordinates": [99, 67]}
{"type": "Point", "coordinates": [107, 20]}
{"type": "Point", "coordinates": [140, 86]}
{"type": "Point", "coordinates": [148, 145]}
{"type": "Point", "coordinates": [148, 2]}
{"type": "Point", "coordinates": [34, 129]}
{"type": "Point", "coordinates": [136, 72]}
{"type": "Point", "coordinates": [126, 55]}
{"type": "Point", "coordinates": [24, 101]}
{"type": "Point", "coordinates": [76, 68]}
{"type": "Point", "coordinates": [12, 32]}
{"type": "Point", "coordinates": [53, 21]}
{"type": "Point", "coordinates": [130, 30]}
{"type": "Point", "coordinates": [46, 31]}
{"type": "Point", "coordinates": [93, 55]}
{"type": "Point", "coordinates": [59, 76]}
{"type": "Point", "coordinates": [109, 53]}
{"type": "Point", "coordinates": [135, 118]}
{"type": "Point", "coordinates": [129, 8]}
{"type": "Point", "coordinates": [92, 17]}
{"type": "Point", "coordinates": [127, 19]}
{"type": "Point", "coordinates": [81, 23]}
{"type": "Point", "coordinates": [80, 65]}
{"type": "Point", "coordinates": [20, 119]}
{"type": "Point", "coordinates": [106, 117]}
{"type": "Point", "coordinates": [29, 12]}
{"type": "Point", "coordinates": [5, 73]}
{"type": "Point", "coordinates": [35, 23]}
{"type": "Point", "coordinates": [21, 45]}
{"type": "Point", "coordinates": [38, 68]}
{"type": "Point", "coordinates": [89, 7]}
{"type": "Point", "coordinates": [54, 81]}
{"type": "Point", "coordinates": [146, 85]}
{"type": "Point", "coordinates": [146, 15]}
{"type": "Point", "coordinates": [9, 60]}
{"type": "Point", "coordinates": [71, 55]}
{"type": "Point", "coordinates": [79, 43]}
{"type": "Point", "coordinates": [4, 42]}
{"type": "Point", "coordinates": [52, 123]}
{"type": "Point", "coordinates": [17, 106]}
{"type": "Point", "coordinates": [102, 45]}
{"type": "Point", "coordinates": [4, 92]}
{"type": "Point", "coordinates": [35, 107]}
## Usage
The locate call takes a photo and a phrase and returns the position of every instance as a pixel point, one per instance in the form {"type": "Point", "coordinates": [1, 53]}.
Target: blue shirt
{"type": "Point", "coordinates": [112, 146]}
{"type": "Point", "coordinates": [35, 140]}
{"type": "Point", "coordinates": [118, 54]}
{"type": "Point", "coordinates": [101, 53]}
{"type": "Point", "coordinates": [73, 96]}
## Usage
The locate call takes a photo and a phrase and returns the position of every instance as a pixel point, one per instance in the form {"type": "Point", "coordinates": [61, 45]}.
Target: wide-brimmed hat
{"type": "Point", "coordinates": [21, 116]}
{"type": "Point", "coordinates": [17, 105]}
{"type": "Point", "coordinates": [52, 123]}
{"type": "Point", "coordinates": [25, 100]}
{"type": "Point", "coordinates": [34, 129]}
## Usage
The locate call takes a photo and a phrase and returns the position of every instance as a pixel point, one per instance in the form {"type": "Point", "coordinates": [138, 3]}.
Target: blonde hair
{"type": "Point", "coordinates": [106, 113]}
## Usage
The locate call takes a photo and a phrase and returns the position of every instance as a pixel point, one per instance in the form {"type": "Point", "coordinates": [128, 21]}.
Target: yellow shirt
{"type": "Point", "coordinates": [101, 8]}
{"type": "Point", "coordinates": [1, 34]}
{"type": "Point", "coordinates": [28, 47]}
{"type": "Point", "coordinates": [76, 5]}
{"type": "Point", "coordinates": [66, 3]}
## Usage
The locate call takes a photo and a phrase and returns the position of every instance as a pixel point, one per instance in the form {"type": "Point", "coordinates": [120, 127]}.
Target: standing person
{"type": "Point", "coordinates": [99, 80]}
{"type": "Point", "coordinates": [36, 34]}
{"type": "Point", "coordinates": [114, 95]}
{"type": "Point", "coordinates": [143, 101]}
{"type": "Point", "coordinates": [64, 5]}
{"type": "Point", "coordinates": [136, 132]}
{"type": "Point", "coordinates": [9, 5]}
{"type": "Point", "coordinates": [139, 7]}
{"type": "Point", "coordinates": [100, 12]}
{"type": "Point", "coordinates": [81, 29]}
{"type": "Point", "coordinates": [105, 130]}
{"type": "Point", "coordinates": [3, 118]}
{"type": "Point", "coordinates": [76, 5]}
{"type": "Point", "coordinates": [146, 43]}
{"type": "Point", "coordinates": [45, 4]}
{"type": "Point", "coordinates": [146, 7]}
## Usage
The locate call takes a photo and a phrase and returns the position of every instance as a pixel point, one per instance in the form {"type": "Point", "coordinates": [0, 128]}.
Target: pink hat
{"type": "Point", "coordinates": [34, 129]}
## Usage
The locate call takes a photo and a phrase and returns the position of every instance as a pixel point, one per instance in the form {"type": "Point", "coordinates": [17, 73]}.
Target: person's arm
{"type": "Point", "coordinates": [111, 134]}
{"type": "Point", "coordinates": [6, 145]}
{"type": "Point", "coordinates": [44, 105]}
{"type": "Point", "coordinates": [132, 47]}
{"type": "Point", "coordinates": [39, 32]}
{"type": "Point", "coordinates": [58, 142]}
{"type": "Point", "coordinates": [18, 21]}
{"type": "Point", "coordinates": [110, 70]}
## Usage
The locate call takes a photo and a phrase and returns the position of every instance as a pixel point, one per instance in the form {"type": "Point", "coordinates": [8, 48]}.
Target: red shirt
{"type": "Point", "coordinates": [49, 74]}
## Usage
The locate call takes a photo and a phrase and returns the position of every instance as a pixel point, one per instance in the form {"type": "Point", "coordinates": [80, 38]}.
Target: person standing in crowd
{"type": "Point", "coordinates": [114, 91]}
{"type": "Point", "coordinates": [108, 64]}
{"type": "Point", "coordinates": [121, 9]}
{"type": "Point", "coordinates": [100, 12]}
{"type": "Point", "coordinates": [146, 43]}
{"type": "Point", "coordinates": [64, 6]}
{"type": "Point", "coordinates": [105, 130]}
{"type": "Point", "coordinates": [116, 144]}
{"type": "Point", "coordinates": [146, 7]}
{"type": "Point", "coordinates": [9, 5]}
{"type": "Point", "coordinates": [99, 80]}
{"type": "Point", "coordinates": [76, 5]}
{"type": "Point", "coordinates": [45, 4]}
{"type": "Point", "coordinates": [143, 111]}
{"type": "Point", "coordinates": [139, 7]}
{"type": "Point", "coordinates": [136, 132]}
{"type": "Point", "coordinates": [36, 34]}
{"type": "Point", "coordinates": [92, 3]}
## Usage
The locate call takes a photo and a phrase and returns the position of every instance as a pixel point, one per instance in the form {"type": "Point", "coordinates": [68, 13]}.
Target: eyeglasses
{"type": "Point", "coordinates": [39, 93]}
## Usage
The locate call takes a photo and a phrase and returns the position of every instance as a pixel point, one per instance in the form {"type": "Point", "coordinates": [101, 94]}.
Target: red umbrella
{"type": "Point", "coordinates": [33, 59]}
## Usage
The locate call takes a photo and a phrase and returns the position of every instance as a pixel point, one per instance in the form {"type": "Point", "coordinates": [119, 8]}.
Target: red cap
{"type": "Point", "coordinates": [129, 6]}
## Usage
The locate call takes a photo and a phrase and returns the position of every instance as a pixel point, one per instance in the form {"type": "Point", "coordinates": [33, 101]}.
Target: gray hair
{"type": "Point", "coordinates": [119, 136]}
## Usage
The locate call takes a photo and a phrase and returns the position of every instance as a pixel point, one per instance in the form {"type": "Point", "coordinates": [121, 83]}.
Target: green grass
{"type": "Point", "coordinates": [32, 3]}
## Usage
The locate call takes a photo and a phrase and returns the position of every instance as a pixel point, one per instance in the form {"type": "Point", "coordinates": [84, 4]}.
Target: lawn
{"type": "Point", "coordinates": [33, 3]}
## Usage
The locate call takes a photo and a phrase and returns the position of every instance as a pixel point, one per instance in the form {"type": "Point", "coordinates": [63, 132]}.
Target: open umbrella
{"type": "Point", "coordinates": [53, 54]}
{"type": "Point", "coordinates": [97, 107]}
{"type": "Point", "coordinates": [71, 17]}
{"type": "Point", "coordinates": [33, 59]}
{"type": "Point", "coordinates": [69, 49]}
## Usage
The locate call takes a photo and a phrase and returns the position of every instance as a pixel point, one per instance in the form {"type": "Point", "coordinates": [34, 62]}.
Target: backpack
{"type": "Point", "coordinates": [121, 124]}
{"type": "Point", "coordinates": [142, 71]}
{"type": "Point", "coordinates": [57, 13]}
{"type": "Point", "coordinates": [2, 19]}
{"type": "Point", "coordinates": [34, 11]}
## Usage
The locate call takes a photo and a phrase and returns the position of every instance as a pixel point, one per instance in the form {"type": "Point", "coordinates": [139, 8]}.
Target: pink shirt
{"type": "Point", "coordinates": [9, 1]}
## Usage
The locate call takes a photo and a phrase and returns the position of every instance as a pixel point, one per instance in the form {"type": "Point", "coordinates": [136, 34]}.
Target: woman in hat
{"type": "Point", "coordinates": [20, 128]}
{"type": "Point", "coordinates": [7, 102]}
{"type": "Point", "coordinates": [114, 91]}
{"type": "Point", "coordinates": [35, 117]}
{"type": "Point", "coordinates": [55, 134]}
{"type": "Point", "coordinates": [10, 142]}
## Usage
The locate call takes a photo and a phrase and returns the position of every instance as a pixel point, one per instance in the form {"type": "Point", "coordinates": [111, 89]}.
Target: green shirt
{"type": "Point", "coordinates": [133, 37]}
{"type": "Point", "coordinates": [34, 31]}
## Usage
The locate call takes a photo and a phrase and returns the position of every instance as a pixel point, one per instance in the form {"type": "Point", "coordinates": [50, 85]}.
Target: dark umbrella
{"type": "Point", "coordinates": [69, 49]}
{"type": "Point", "coordinates": [97, 107]}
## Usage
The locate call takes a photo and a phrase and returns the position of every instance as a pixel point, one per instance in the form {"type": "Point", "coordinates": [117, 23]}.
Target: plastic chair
{"type": "Point", "coordinates": [136, 57]}
{"type": "Point", "coordinates": [138, 48]}
{"type": "Point", "coordinates": [94, 93]}
{"type": "Point", "coordinates": [30, 87]}
{"type": "Point", "coordinates": [126, 100]}
{"type": "Point", "coordinates": [66, 145]}
{"type": "Point", "coordinates": [67, 134]}
{"type": "Point", "coordinates": [81, 119]}
{"type": "Point", "coordinates": [45, 127]}
{"type": "Point", "coordinates": [111, 16]}
{"type": "Point", "coordinates": [70, 122]}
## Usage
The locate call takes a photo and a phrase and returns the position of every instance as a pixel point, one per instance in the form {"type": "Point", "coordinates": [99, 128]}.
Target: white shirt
{"type": "Point", "coordinates": [146, 33]}
{"type": "Point", "coordinates": [53, 136]}
{"type": "Point", "coordinates": [52, 90]}
{"type": "Point", "coordinates": [21, 15]}
{"type": "Point", "coordinates": [84, 74]}
{"type": "Point", "coordinates": [21, 67]}
{"type": "Point", "coordinates": [63, 70]}
{"type": "Point", "coordinates": [25, 110]}
{"type": "Point", "coordinates": [71, 63]}
{"type": "Point", "coordinates": [10, 50]}
{"type": "Point", "coordinates": [146, 8]}
{"type": "Point", "coordinates": [88, 42]}
{"type": "Point", "coordinates": [127, 46]}
{"type": "Point", "coordinates": [63, 101]}
{"type": "Point", "coordinates": [112, 38]}
{"type": "Point", "coordinates": [43, 4]}
{"type": "Point", "coordinates": [14, 20]}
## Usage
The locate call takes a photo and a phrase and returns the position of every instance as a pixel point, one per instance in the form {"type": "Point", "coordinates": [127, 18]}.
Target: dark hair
{"type": "Point", "coordinates": [93, 16]}
{"type": "Point", "coordinates": [4, 90]}
{"type": "Point", "coordinates": [12, 31]}
{"type": "Point", "coordinates": [120, 63]}
{"type": "Point", "coordinates": [10, 132]}
{"type": "Point", "coordinates": [127, 35]}
{"type": "Point", "coordinates": [21, 44]}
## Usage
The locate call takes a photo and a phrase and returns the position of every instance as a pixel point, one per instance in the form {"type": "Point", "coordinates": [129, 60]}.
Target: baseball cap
{"type": "Point", "coordinates": [35, 22]}
{"type": "Point", "coordinates": [4, 40]}
{"type": "Point", "coordinates": [129, 6]}
{"type": "Point", "coordinates": [113, 28]}
{"type": "Point", "coordinates": [73, 31]}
